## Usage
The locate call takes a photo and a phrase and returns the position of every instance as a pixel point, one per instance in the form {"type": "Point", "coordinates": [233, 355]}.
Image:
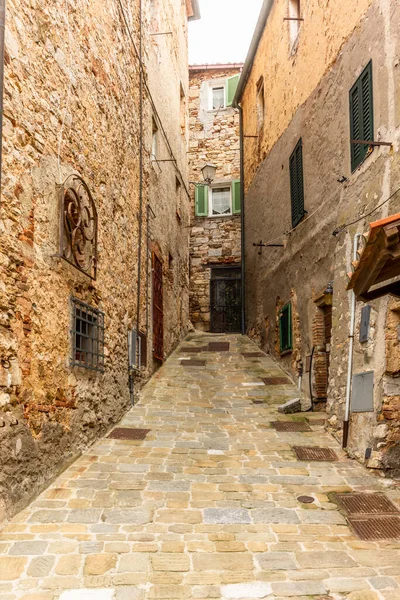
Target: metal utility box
{"type": "Point", "coordinates": [362, 397]}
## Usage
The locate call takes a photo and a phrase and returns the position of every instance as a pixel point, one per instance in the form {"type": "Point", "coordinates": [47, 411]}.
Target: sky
{"type": "Point", "coordinates": [224, 32]}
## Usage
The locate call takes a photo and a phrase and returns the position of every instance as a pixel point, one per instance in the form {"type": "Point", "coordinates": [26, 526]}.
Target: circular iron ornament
{"type": "Point", "coordinates": [78, 225]}
{"type": "Point", "coordinates": [306, 499]}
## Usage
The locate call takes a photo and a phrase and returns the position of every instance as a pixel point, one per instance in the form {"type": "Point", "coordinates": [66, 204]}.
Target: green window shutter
{"type": "Point", "coordinates": [285, 328]}
{"type": "Point", "coordinates": [236, 200]}
{"type": "Point", "coordinates": [231, 87]}
{"type": "Point", "coordinates": [201, 201]}
{"type": "Point", "coordinates": [361, 116]}
{"type": "Point", "coordinates": [297, 183]}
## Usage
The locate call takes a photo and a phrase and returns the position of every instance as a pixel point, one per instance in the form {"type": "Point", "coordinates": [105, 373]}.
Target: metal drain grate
{"type": "Point", "coordinates": [291, 426]}
{"type": "Point", "coordinates": [193, 363]}
{"type": "Point", "coordinates": [193, 349]}
{"type": "Point", "coordinates": [127, 433]}
{"type": "Point", "coordinates": [366, 504]}
{"type": "Point", "coordinates": [276, 380]}
{"type": "Point", "coordinates": [218, 346]}
{"type": "Point", "coordinates": [253, 354]}
{"type": "Point", "coordinates": [376, 527]}
{"type": "Point", "coordinates": [314, 453]}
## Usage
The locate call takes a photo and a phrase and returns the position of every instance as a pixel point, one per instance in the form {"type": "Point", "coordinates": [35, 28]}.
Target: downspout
{"type": "Point", "coordinates": [350, 359]}
{"type": "Point", "coordinates": [242, 238]}
{"type": "Point", "coordinates": [2, 36]}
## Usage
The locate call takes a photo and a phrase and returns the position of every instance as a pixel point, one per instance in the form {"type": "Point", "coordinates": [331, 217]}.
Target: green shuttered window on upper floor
{"type": "Point", "coordinates": [296, 183]}
{"type": "Point", "coordinates": [220, 200]}
{"type": "Point", "coordinates": [361, 116]}
{"type": "Point", "coordinates": [285, 328]}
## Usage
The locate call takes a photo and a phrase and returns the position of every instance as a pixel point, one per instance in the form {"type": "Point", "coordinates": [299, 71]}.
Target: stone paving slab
{"type": "Point", "coordinates": [205, 507]}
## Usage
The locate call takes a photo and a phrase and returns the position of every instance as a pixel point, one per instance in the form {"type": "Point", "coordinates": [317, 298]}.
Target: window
{"type": "Point", "coordinates": [154, 140]}
{"type": "Point", "coordinates": [285, 328]}
{"type": "Point", "coordinates": [260, 103]}
{"type": "Point", "coordinates": [361, 116]}
{"type": "Point", "coordinates": [217, 97]}
{"type": "Point", "coordinates": [221, 203]}
{"type": "Point", "coordinates": [218, 201]}
{"type": "Point", "coordinates": [182, 109]}
{"type": "Point", "coordinates": [294, 21]}
{"type": "Point", "coordinates": [296, 183]}
{"type": "Point", "coordinates": [87, 336]}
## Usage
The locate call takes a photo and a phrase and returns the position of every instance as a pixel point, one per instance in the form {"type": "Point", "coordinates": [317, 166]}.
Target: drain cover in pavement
{"type": "Point", "coordinates": [276, 380]}
{"type": "Point", "coordinates": [371, 527]}
{"type": "Point", "coordinates": [127, 433]}
{"type": "Point", "coordinates": [253, 354]}
{"type": "Point", "coordinates": [306, 499]}
{"type": "Point", "coordinates": [193, 363]}
{"type": "Point", "coordinates": [315, 453]}
{"type": "Point", "coordinates": [291, 426]}
{"type": "Point", "coordinates": [194, 349]}
{"type": "Point", "coordinates": [366, 504]}
{"type": "Point", "coordinates": [218, 347]}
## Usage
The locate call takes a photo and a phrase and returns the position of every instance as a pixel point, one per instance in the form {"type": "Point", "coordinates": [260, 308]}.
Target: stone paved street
{"type": "Point", "coordinates": [205, 507]}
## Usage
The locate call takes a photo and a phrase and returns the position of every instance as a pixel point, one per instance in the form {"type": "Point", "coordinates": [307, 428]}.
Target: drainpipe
{"type": "Point", "coordinates": [242, 238]}
{"type": "Point", "coordinates": [350, 359]}
{"type": "Point", "coordinates": [2, 33]}
{"type": "Point", "coordinates": [140, 216]}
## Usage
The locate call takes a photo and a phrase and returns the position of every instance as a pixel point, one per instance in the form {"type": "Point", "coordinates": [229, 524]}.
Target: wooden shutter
{"type": "Point", "coordinates": [361, 116]}
{"type": "Point", "coordinates": [231, 87]}
{"type": "Point", "coordinates": [236, 200]}
{"type": "Point", "coordinates": [296, 183]}
{"type": "Point", "coordinates": [285, 328]}
{"type": "Point", "coordinates": [201, 201]}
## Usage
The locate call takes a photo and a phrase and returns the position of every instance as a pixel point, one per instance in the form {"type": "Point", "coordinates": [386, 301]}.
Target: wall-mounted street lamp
{"type": "Point", "coordinates": [208, 172]}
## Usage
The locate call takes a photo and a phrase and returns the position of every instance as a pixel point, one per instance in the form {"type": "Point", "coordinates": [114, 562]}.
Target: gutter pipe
{"type": "Point", "coordinates": [2, 38]}
{"type": "Point", "coordinates": [242, 235]}
{"type": "Point", "coordinates": [346, 421]}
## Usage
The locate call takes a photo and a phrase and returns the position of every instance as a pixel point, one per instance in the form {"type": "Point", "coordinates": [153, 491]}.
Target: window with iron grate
{"type": "Point", "coordinates": [285, 328]}
{"type": "Point", "coordinates": [87, 336]}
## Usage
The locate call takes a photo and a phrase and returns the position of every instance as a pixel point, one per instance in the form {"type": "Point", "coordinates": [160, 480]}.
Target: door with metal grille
{"type": "Point", "coordinates": [158, 317]}
{"type": "Point", "coordinates": [225, 300]}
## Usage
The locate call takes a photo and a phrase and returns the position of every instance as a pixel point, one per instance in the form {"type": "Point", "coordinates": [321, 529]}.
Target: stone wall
{"type": "Point", "coordinates": [214, 138]}
{"type": "Point", "coordinates": [72, 106]}
{"type": "Point", "coordinates": [312, 257]}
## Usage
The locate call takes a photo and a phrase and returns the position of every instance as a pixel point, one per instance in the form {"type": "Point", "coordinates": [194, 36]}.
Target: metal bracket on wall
{"type": "Point", "coordinates": [261, 246]}
{"type": "Point", "coordinates": [371, 143]}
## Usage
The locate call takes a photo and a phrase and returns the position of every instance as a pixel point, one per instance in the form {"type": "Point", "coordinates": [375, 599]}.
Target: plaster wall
{"type": "Point", "coordinates": [72, 106]}
{"type": "Point", "coordinates": [312, 257]}
{"type": "Point", "coordinates": [214, 138]}
{"type": "Point", "coordinates": [292, 72]}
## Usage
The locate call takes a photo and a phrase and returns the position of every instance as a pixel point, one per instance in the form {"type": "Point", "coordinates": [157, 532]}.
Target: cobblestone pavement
{"type": "Point", "coordinates": [205, 507]}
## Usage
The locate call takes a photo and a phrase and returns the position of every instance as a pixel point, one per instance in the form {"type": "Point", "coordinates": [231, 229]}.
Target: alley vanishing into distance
{"type": "Point", "coordinates": [206, 506]}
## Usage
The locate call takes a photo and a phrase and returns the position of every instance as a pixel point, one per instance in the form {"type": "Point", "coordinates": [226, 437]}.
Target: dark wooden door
{"type": "Point", "coordinates": [158, 317]}
{"type": "Point", "coordinates": [225, 300]}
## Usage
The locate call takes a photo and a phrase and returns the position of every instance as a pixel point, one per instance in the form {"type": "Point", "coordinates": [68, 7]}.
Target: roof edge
{"type": "Point", "coordinates": [196, 15]}
{"type": "Point", "coordinates": [248, 64]}
{"type": "Point", "coordinates": [216, 66]}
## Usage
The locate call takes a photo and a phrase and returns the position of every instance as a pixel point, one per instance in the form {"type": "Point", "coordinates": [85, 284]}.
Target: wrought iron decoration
{"type": "Point", "coordinates": [78, 225]}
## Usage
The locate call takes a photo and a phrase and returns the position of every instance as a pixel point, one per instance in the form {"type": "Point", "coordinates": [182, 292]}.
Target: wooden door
{"type": "Point", "coordinates": [158, 316]}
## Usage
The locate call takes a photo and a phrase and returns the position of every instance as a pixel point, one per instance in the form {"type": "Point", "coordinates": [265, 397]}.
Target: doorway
{"type": "Point", "coordinates": [225, 300]}
{"type": "Point", "coordinates": [158, 315]}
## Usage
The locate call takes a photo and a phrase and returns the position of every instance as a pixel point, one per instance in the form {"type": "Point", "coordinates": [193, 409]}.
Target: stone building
{"type": "Point", "coordinates": [89, 250]}
{"type": "Point", "coordinates": [215, 240]}
{"type": "Point", "coordinates": [321, 126]}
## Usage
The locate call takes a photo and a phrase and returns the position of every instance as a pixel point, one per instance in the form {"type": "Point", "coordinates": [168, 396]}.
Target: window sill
{"type": "Point", "coordinates": [286, 352]}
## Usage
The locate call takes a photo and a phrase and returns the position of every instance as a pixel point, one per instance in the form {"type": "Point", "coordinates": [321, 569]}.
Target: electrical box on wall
{"type": "Point", "coordinates": [364, 323]}
{"type": "Point", "coordinates": [362, 397]}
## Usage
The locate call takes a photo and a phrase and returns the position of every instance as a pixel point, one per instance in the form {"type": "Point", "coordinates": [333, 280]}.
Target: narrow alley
{"type": "Point", "coordinates": [206, 506]}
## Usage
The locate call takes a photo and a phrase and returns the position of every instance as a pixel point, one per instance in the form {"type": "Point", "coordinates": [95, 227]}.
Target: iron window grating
{"type": "Point", "coordinates": [87, 336]}
{"type": "Point", "coordinates": [297, 183]}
